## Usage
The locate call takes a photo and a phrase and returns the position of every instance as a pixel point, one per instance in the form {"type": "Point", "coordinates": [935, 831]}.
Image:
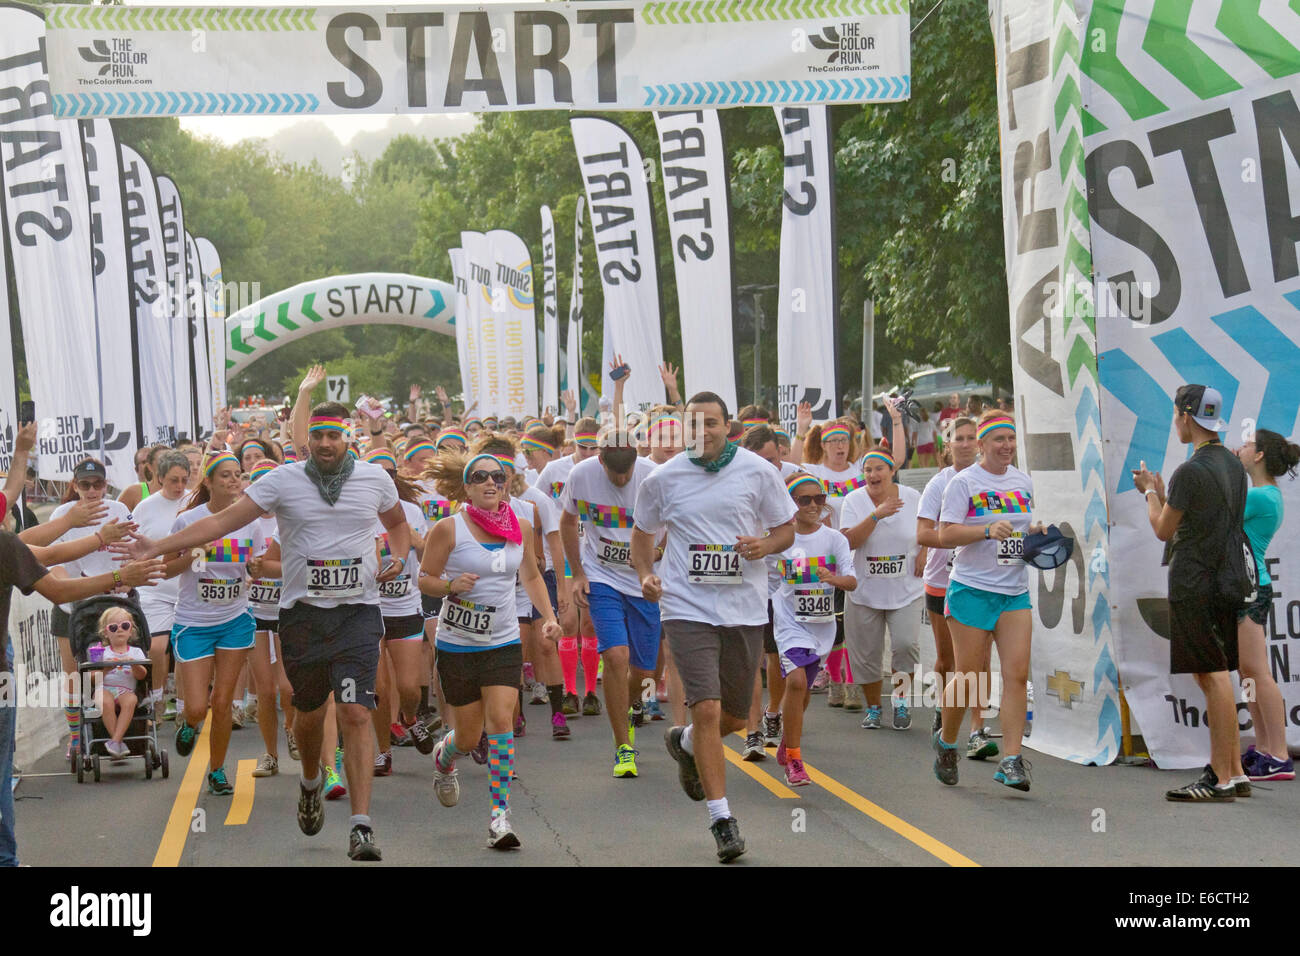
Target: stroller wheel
{"type": "Point", "coordinates": [148, 767]}
{"type": "Point", "coordinates": [152, 757]}
{"type": "Point", "coordinates": [80, 769]}
{"type": "Point", "coordinates": [94, 764]}
{"type": "Point", "coordinates": [163, 758]}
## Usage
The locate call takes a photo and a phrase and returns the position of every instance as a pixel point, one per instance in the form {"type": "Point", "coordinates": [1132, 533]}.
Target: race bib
{"type": "Point", "coordinates": [814, 603]}
{"type": "Point", "coordinates": [616, 554]}
{"type": "Point", "coordinates": [220, 590]}
{"type": "Point", "coordinates": [399, 587]}
{"type": "Point", "coordinates": [334, 578]}
{"type": "Point", "coordinates": [714, 564]}
{"type": "Point", "coordinates": [265, 591]}
{"type": "Point", "coordinates": [886, 566]}
{"type": "Point", "coordinates": [1011, 550]}
{"type": "Point", "coordinates": [468, 620]}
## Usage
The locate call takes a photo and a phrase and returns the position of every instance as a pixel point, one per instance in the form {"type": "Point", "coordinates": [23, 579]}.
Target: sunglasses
{"type": "Point", "coordinates": [478, 477]}
{"type": "Point", "coordinates": [123, 627]}
{"type": "Point", "coordinates": [91, 486]}
{"type": "Point", "coordinates": [803, 501]}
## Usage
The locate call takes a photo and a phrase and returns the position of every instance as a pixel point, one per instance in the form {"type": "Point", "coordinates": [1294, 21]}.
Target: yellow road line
{"type": "Point", "coordinates": [241, 804]}
{"type": "Point", "coordinates": [780, 789]}
{"type": "Point", "coordinates": [187, 798]}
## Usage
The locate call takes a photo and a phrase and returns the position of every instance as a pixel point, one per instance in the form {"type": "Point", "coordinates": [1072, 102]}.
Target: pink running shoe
{"type": "Point", "coordinates": [781, 758]}
{"type": "Point", "coordinates": [559, 726]}
{"type": "Point", "coordinates": [520, 725]}
{"type": "Point", "coordinates": [796, 775]}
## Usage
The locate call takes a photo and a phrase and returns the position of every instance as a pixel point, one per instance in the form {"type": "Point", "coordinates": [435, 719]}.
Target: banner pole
{"type": "Point", "coordinates": [868, 358]}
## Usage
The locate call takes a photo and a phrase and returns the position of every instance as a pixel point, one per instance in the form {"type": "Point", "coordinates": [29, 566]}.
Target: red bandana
{"type": "Point", "coordinates": [501, 523]}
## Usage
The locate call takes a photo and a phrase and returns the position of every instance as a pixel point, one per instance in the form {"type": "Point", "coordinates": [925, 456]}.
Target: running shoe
{"type": "Point", "coordinates": [559, 726]}
{"type": "Point", "coordinates": [338, 760]}
{"type": "Point", "coordinates": [1249, 759]}
{"type": "Point", "coordinates": [501, 835]}
{"type": "Point", "coordinates": [480, 751]}
{"type": "Point", "coordinates": [872, 720]}
{"type": "Point", "coordinates": [1204, 789]}
{"type": "Point", "coordinates": [311, 813]}
{"type": "Point", "coordinates": [636, 713]}
{"type": "Point", "coordinates": [654, 710]}
{"type": "Point", "coordinates": [570, 707]}
{"type": "Point", "coordinates": [267, 766]}
{"type": "Point", "coordinates": [530, 675]}
{"type": "Point", "coordinates": [539, 694]}
{"type": "Point", "coordinates": [796, 775]}
{"type": "Point", "coordinates": [688, 775]}
{"type": "Point", "coordinates": [293, 744]}
{"type": "Point", "coordinates": [237, 716]}
{"type": "Point", "coordinates": [384, 764]}
{"type": "Point", "coordinates": [853, 699]}
{"type": "Point", "coordinates": [1014, 772]}
{"type": "Point", "coordinates": [334, 789]}
{"type": "Point", "coordinates": [981, 745]}
{"type": "Point", "coordinates": [398, 735]}
{"type": "Point", "coordinates": [902, 717]}
{"type": "Point", "coordinates": [771, 729]}
{"type": "Point", "coordinates": [423, 740]}
{"type": "Point", "coordinates": [730, 843]}
{"type": "Point", "coordinates": [218, 784]}
{"type": "Point", "coordinates": [521, 726]}
{"type": "Point", "coordinates": [821, 682]}
{"type": "Point", "coordinates": [185, 737]}
{"type": "Point", "coordinates": [754, 747]}
{"type": "Point", "coordinates": [446, 784]}
{"type": "Point", "coordinates": [625, 762]}
{"type": "Point", "coordinates": [361, 844]}
{"type": "Point", "coordinates": [937, 723]}
{"type": "Point", "coordinates": [1268, 767]}
{"type": "Point", "coordinates": [1241, 786]}
{"type": "Point", "coordinates": [945, 764]}
{"type": "Point", "coordinates": [169, 712]}
{"type": "Point", "coordinates": [782, 758]}
{"type": "Point", "coordinates": [431, 720]}
{"type": "Point", "coordinates": [835, 698]}
{"type": "Point", "coordinates": [591, 706]}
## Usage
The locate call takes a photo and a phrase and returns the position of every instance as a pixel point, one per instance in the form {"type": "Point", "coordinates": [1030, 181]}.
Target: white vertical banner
{"type": "Point", "coordinates": [694, 175]}
{"type": "Point", "coordinates": [115, 437]}
{"type": "Point", "coordinates": [623, 229]}
{"type": "Point", "coordinates": [514, 298]}
{"type": "Point", "coordinates": [479, 268]}
{"type": "Point", "coordinates": [808, 303]}
{"type": "Point", "coordinates": [573, 340]}
{"type": "Point", "coordinates": [196, 307]}
{"type": "Point", "coordinates": [550, 396]}
{"type": "Point", "coordinates": [214, 304]}
{"type": "Point", "coordinates": [173, 236]}
{"type": "Point", "coordinates": [466, 333]}
{"type": "Point", "coordinates": [153, 332]}
{"type": "Point", "coordinates": [8, 383]}
{"type": "Point", "coordinates": [47, 225]}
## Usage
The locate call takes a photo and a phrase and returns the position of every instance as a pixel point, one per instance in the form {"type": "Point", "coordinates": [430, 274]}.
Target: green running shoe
{"type": "Point", "coordinates": [626, 765]}
{"type": "Point", "coordinates": [185, 737]}
{"type": "Point", "coordinates": [218, 784]}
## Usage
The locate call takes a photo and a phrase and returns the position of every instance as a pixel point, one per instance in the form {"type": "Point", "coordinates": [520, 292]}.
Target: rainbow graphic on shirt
{"type": "Point", "coordinates": [806, 570]}
{"type": "Point", "coordinates": [838, 489]}
{"type": "Point", "coordinates": [605, 516]}
{"type": "Point", "coordinates": [231, 550]}
{"type": "Point", "coordinates": [557, 489]}
{"type": "Point", "coordinates": [999, 503]}
{"type": "Point", "coordinates": [385, 552]}
{"type": "Point", "coordinates": [435, 508]}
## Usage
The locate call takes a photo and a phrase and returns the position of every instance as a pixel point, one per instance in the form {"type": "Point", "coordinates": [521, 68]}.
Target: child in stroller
{"type": "Point", "coordinates": [116, 698]}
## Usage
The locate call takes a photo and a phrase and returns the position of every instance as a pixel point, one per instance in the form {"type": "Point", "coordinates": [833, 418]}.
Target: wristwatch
{"type": "Point", "coordinates": [986, 531]}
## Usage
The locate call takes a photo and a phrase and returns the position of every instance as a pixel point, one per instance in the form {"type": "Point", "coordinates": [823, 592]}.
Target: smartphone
{"type": "Point", "coordinates": [620, 372]}
{"type": "Point", "coordinates": [26, 413]}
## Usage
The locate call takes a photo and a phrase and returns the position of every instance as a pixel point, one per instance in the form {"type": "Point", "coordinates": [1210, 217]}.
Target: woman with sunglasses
{"type": "Point", "coordinates": [214, 628]}
{"type": "Point", "coordinates": [985, 516]}
{"type": "Point", "coordinates": [811, 570]}
{"type": "Point", "coordinates": [471, 561]}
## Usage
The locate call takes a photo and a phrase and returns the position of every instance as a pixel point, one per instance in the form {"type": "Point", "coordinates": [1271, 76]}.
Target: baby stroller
{"type": "Point", "coordinates": [141, 736]}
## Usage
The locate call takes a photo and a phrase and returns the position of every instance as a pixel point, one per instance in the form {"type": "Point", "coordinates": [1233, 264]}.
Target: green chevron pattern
{"type": "Point", "coordinates": [120, 19]}
{"type": "Point", "coordinates": [733, 11]}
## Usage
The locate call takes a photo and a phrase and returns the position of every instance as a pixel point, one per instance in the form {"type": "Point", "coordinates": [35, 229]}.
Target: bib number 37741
{"type": "Point", "coordinates": [1011, 550]}
{"type": "Point", "coordinates": [714, 564]}
{"type": "Point", "coordinates": [334, 578]}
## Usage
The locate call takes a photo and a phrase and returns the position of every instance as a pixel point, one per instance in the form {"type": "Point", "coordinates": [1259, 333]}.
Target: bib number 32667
{"type": "Point", "coordinates": [334, 578]}
{"type": "Point", "coordinates": [1011, 550]}
{"type": "Point", "coordinates": [714, 564]}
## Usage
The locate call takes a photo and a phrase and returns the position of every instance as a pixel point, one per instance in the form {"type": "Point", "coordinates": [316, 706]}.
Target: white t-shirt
{"type": "Point", "coordinates": [486, 615]}
{"type": "Point", "coordinates": [432, 505]}
{"type": "Point", "coordinates": [938, 563]}
{"type": "Point", "coordinates": [155, 515]}
{"type": "Point", "coordinates": [264, 593]}
{"type": "Point", "coordinates": [606, 547]}
{"type": "Point", "coordinates": [400, 597]}
{"type": "Point", "coordinates": [924, 434]}
{"type": "Point", "coordinates": [97, 562]}
{"type": "Point", "coordinates": [553, 477]}
{"type": "Point", "coordinates": [121, 677]}
{"type": "Point", "coordinates": [978, 497]}
{"type": "Point", "coordinates": [335, 543]}
{"type": "Point", "coordinates": [788, 468]}
{"type": "Point", "coordinates": [803, 608]}
{"type": "Point", "coordinates": [704, 512]}
{"type": "Point", "coordinates": [839, 485]}
{"type": "Point", "coordinates": [212, 588]}
{"type": "Point", "coordinates": [886, 560]}
{"type": "Point", "coordinates": [548, 510]}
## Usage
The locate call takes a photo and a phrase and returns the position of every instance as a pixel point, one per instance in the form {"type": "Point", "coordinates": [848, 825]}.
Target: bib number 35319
{"type": "Point", "coordinates": [334, 578]}
{"type": "Point", "coordinates": [220, 590]}
{"type": "Point", "coordinates": [714, 564]}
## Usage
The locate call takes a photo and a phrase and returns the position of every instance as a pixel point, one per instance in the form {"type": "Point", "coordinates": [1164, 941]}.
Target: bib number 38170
{"type": "Point", "coordinates": [334, 578]}
{"type": "Point", "coordinates": [714, 564]}
{"type": "Point", "coordinates": [1011, 550]}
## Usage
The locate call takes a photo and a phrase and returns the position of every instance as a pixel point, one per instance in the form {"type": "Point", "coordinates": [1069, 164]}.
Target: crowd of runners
{"type": "Point", "coordinates": [358, 582]}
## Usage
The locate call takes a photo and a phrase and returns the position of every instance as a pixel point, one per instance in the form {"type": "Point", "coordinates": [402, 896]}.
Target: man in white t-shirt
{"type": "Point", "coordinates": [330, 621]}
{"type": "Point", "coordinates": [725, 509]}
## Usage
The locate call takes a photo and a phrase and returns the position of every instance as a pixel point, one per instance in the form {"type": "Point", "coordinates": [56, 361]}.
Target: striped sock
{"type": "Point", "coordinates": [73, 717]}
{"type": "Point", "coordinates": [501, 759]}
{"type": "Point", "coordinates": [449, 752]}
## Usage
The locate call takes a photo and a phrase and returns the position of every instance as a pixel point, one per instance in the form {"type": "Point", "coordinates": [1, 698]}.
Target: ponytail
{"type": "Point", "coordinates": [1280, 456]}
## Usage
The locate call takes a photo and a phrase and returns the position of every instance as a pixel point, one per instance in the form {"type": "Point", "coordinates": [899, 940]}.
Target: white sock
{"type": "Point", "coordinates": [768, 713]}
{"type": "Point", "coordinates": [1236, 780]}
{"type": "Point", "coordinates": [180, 705]}
{"type": "Point", "coordinates": [310, 784]}
{"type": "Point", "coordinates": [360, 819]}
{"type": "Point", "coordinates": [718, 810]}
{"type": "Point", "coordinates": [688, 739]}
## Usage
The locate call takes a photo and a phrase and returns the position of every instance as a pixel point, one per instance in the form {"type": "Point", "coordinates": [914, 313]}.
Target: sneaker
{"type": "Point", "coordinates": [1241, 787]}
{"type": "Point", "coordinates": [293, 745]}
{"type": "Point", "coordinates": [384, 764]}
{"type": "Point", "coordinates": [872, 720]}
{"type": "Point", "coordinates": [570, 706]}
{"type": "Point", "coordinates": [853, 699]}
{"type": "Point", "coordinates": [539, 694]}
{"type": "Point", "coordinates": [591, 705]}
{"type": "Point", "coordinates": [334, 789]}
{"type": "Point", "coordinates": [754, 747]}
{"type": "Point", "coordinates": [501, 835]}
{"type": "Point", "coordinates": [432, 721]}
{"type": "Point", "coordinates": [688, 775]}
{"type": "Point", "coordinates": [1014, 772]}
{"type": "Point", "coordinates": [821, 682]}
{"type": "Point", "coordinates": [398, 735]}
{"type": "Point", "coordinates": [981, 745]}
{"type": "Point", "coordinates": [311, 813]}
{"type": "Point", "coordinates": [117, 750]}
{"type": "Point", "coordinates": [521, 726]}
{"type": "Point", "coordinates": [361, 844]}
{"type": "Point", "coordinates": [945, 764]}
{"type": "Point", "coordinates": [730, 843]}
{"type": "Point", "coordinates": [1205, 789]}
{"type": "Point", "coordinates": [237, 716]}
{"type": "Point", "coordinates": [422, 739]}
{"type": "Point", "coordinates": [480, 751]}
{"type": "Point", "coordinates": [338, 760]}
{"type": "Point", "coordinates": [796, 775]}
{"type": "Point", "coordinates": [653, 710]}
{"type": "Point", "coordinates": [1249, 759]}
{"type": "Point", "coordinates": [835, 697]}
{"type": "Point", "coordinates": [267, 766]}
{"type": "Point", "coordinates": [218, 784]}
{"type": "Point", "coordinates": [625, 762]}
{"type": "Point", "coordinates": [169, 711]}
{"type": "Point", "coordinates": [902, 717]}
{"type": "Point", "coordinates": [185, 737]}
{"type": "Point", "coordinates": [937, 724]}
{"type": "Point", "coordinates": [771, 729]}
{"type": "Point", "coordinates": [782, 758]}
{"type": "Point", "coordinates": [1268, 767]}
{"type": "Point", "coordinates": [446, 784]}
{"type": "Point", "coordinates": [559, 726]}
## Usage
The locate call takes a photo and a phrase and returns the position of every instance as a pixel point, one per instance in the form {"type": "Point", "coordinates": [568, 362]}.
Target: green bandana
{"type": "Point", "coordinates": [717, 464]}
{"type": "Point", "coordinates": [330, 484]}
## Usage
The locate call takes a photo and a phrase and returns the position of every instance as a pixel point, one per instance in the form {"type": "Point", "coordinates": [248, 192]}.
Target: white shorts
{"type": "Point", "coordinates": [160, 615]}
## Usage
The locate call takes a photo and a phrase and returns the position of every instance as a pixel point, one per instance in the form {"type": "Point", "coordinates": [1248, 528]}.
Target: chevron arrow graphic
{"type": "Point", "coordinates": [439, 304]}
{"type": "Point", "coordinates": [282, 317]}
{"type": "Point", "coordinates": [307, 301]}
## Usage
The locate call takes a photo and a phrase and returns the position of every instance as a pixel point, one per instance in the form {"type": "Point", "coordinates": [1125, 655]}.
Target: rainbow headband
{"type": "Point", "coordinates": [536, 444]}
{"type": "Point", "coordinates": [416, 447]}
{"type": "Point", "coordinates": [795, 481]}
{"type": "Point", "coordinates": [472, 421]}
{"type": "Point", "coordinates": [751, 422]}
{"type": "Point", "coordinates": [781, 433]}
{"type": "Point", "coordinates": [505, 463]}
{"type": "Point", "coordinates": [836, 431]}
{"type": "Point", "coordinates": [353, 453]}
{"type": "Point", "coordinates": [663, 422]}
{"type": "Point", "coordinates": [452, 434]}
{"type": "Point", "coordinates": [587, 439]}
{"type": "Point", "coordinates": [261, 468]}
{"type": "Point", "coordinates": [215, 463]}
{"type": "Point", "coordinates": [995, 423]}
{"type": "Point", "coordinates": [381, 456]}
{"type": "Point", "coordinates": [878, 455]}
{"type": "Point", "coordinates": [320, 423]}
